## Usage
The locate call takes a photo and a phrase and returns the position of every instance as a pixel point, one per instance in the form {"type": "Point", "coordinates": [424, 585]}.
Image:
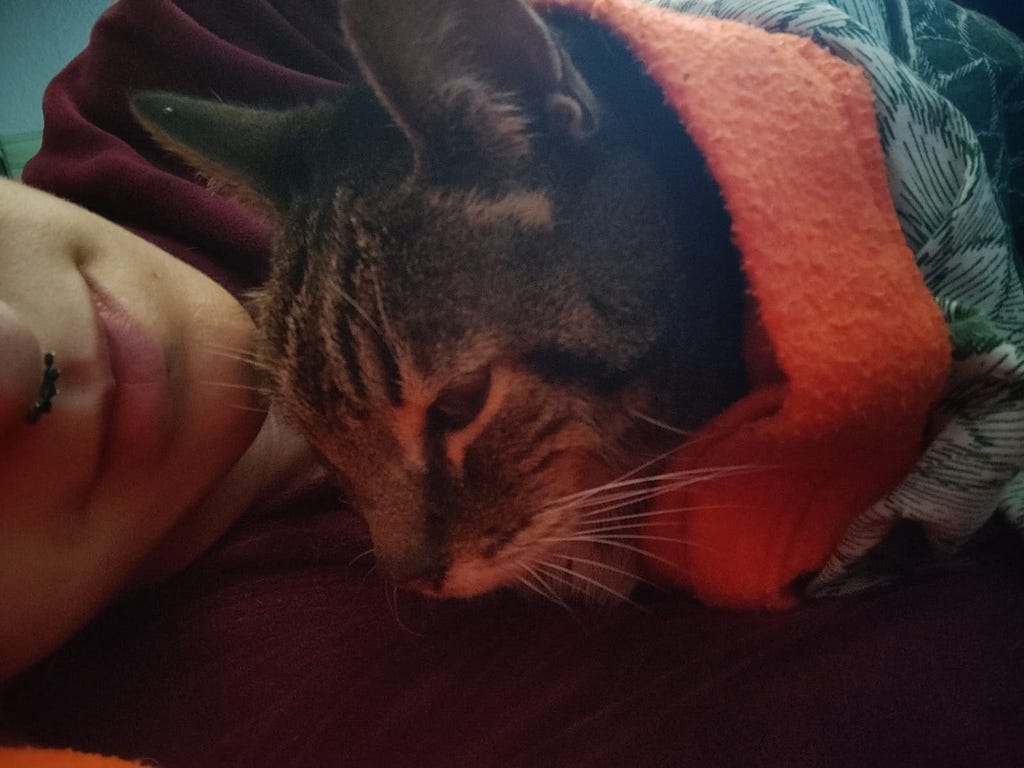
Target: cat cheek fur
{"type": "Point", "coordinates": [506, 507]}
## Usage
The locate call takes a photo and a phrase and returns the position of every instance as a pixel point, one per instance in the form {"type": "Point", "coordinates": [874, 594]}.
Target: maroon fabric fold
{"type": "Point", "coordinates": [283, 648]}
{"type": "Point", "coordinates": [95, 154]}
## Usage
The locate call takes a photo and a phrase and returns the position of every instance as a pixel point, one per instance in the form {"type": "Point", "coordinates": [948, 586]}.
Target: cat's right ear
{"type": "Point", "coordinates": [264, 157]}
{"type": "Point", "coordinates": [470, 82]}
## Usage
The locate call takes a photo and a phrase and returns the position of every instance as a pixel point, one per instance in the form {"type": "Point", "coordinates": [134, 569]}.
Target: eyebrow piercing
{"type": "Point", "coordinates": [47, 390]}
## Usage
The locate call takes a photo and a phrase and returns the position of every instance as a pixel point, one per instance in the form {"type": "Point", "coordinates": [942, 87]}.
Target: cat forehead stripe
{"type": "Point", "coordinates": [531, 209]}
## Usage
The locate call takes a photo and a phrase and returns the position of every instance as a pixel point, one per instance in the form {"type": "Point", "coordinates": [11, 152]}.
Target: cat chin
{"type": "Point", "coordinates": [582, 572]}
{"type": "Point", "coordinates": [469, 578]}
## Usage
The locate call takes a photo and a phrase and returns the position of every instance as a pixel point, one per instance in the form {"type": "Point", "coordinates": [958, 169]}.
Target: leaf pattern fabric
{"type": "Point", "coordinates": [949, 98]}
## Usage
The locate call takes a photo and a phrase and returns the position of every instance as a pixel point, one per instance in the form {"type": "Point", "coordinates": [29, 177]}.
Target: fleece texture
{"type": "Point", "coordinates": [847, 348]}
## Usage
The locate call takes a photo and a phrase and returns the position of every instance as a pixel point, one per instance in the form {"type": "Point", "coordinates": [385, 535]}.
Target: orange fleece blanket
{"type": "Point", "coordinates": [846, 347]}
{"type": "Point", "coordinates": [28, 757]}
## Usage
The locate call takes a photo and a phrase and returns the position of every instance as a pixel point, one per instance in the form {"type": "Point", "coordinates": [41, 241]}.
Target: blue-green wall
{"type": "Point", "coordinates": [37, 38]}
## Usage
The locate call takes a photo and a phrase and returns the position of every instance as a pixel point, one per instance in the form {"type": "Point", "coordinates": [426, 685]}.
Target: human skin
{"type": "Point", "coordinates": [156, 440]}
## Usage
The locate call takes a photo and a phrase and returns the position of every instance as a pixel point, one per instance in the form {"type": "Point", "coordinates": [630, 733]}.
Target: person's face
{"type": "Point", "coordinates": [152, 407]}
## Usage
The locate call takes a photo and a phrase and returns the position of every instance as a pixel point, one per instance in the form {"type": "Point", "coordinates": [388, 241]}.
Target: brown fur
{"type": "Point", "coordinates": [479, 315]}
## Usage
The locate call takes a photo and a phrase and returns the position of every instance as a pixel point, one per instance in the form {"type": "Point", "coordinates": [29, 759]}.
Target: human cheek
{"type": "Point", "coordinates": [210, 411]}
{"type": "Point", "coordinates": [20, 370]}
{"type": "Point", "coordinates": [46, 467]}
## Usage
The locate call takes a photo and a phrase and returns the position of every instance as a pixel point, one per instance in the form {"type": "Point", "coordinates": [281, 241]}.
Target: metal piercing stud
{"type": "Point", "coordinates": [47, 390]}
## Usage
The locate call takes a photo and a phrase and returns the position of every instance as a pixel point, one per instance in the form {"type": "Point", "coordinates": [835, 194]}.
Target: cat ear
{"type": "Point", "coordinates": [468, 81]}
{"type": "Point", "coordinates": [266, 157]}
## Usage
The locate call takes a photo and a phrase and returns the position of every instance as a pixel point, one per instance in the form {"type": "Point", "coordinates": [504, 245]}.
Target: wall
{"type": "Point", "coordinates": [37, 38]}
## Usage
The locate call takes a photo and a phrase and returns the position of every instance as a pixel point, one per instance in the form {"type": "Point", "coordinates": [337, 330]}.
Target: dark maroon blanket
{"type": "Point", "coordinates": [282, 647]}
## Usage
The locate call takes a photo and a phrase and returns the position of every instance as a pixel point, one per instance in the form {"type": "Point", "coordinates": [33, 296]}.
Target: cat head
{"type": "Point", "coordinates": [472, 295]}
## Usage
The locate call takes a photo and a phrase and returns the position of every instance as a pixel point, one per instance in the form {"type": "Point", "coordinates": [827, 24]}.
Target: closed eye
{"type": "Point", "coordinates": [461, 401]}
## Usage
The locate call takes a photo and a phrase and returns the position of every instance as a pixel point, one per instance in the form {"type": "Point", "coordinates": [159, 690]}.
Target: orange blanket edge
{"type": "Point", "coordinates": [788, 131]}
{"type": "Point", "coordinates": [31, 757]}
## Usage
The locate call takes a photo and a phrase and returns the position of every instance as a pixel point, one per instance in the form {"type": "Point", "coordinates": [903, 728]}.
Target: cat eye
{"type": "Point", "coordinates": [461, 401]}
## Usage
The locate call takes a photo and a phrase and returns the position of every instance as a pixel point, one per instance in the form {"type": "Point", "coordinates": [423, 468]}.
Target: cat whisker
{"type": "Point", "coordinates": [234, 385]}
{"type": "Point", "coordinates": [547, 588]}
{"type": "Point", "coordinates": [362, 312]}
{"type": "Point", "coordinates": [597, 495]}
{"type": "Point", "coordinates": [686, 474]}
{"type": "Point", "coordinates": [587, 492]}
{"type": "Point", "coordinates": [609, 502]}
{"type": "Point", "coordinates": [368, 571]}
{"type": "Point", "coordinates": [389, 333]}
{"type": "Point", "coordinates": [619, 499]}
{"type": "Point", "coordinates": [249, 408]}
{"type": "Point", "coordinates": [654, 486]}
{"type": "Point", "coordinates": [237, 353]}
{"type": "Point", "coordinates": [682, 478]}
{"type": "Point", "coordinates": [658, 423]}
{"type": "Point", "coordinates": [652, 513]}
{"type": "Point", "coordinates": [391, 597]}
{"type": "Point", "coordinates": [618, 542]}
{"type": "Point", "coordinates": [632, 483]}
{"type": "Point", "coordinates": [608, 510]}
{"type": "Point", "coordinates": [607, 538]}
{"type": "Point", "coordinates": [558, 577]}
{"type": "Point", "coordinates": [602, 529]}
{"type": "Point", "coordinates": [612, 568]}
{"type": "Point", "coordinates": [533, 588]}
{"type": "Point", "coordinates": [359, 557]}
{"type": "Point", "coordinates": [537, 583]}
{"type": "Point", "coordinates": [650, 462]}
{"type": "Point", "coordinates": [262, 394]}
{"type": "Point", "coordinates": [554, 567]}
{"type": "Point", "coordinates": [226, 347]}
{"type": "Point", "coordinates": [604, 512]}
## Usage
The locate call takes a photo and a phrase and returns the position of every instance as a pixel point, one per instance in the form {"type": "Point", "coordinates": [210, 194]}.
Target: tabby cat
{"type": "Point", "coordinates": [502, 280]}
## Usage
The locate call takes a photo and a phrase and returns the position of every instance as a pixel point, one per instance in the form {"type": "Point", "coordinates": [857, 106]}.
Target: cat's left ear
{"type": "Point", "coordinates": [267, 157]}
